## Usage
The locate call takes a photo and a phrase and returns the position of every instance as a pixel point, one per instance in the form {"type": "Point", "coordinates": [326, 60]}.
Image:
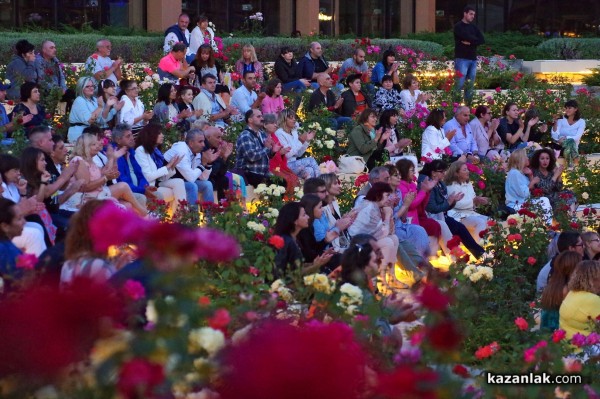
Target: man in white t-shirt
{"type": "Point", "coordinates": [101, 65]}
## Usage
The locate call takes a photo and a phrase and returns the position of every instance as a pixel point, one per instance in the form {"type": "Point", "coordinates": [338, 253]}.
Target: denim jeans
{"type": "Point", "coordinates": [467, 69]}
{"type": "Point", "coordinates": [205, 188]}
{"type": "Point", "coordinates": [295, 86]}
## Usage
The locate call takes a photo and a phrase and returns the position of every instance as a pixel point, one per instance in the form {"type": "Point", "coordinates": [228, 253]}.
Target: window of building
{"type": "Point", "coordinates": [234, 15]}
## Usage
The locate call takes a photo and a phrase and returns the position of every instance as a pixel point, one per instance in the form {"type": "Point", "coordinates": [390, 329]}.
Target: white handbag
{"type": "Point", "coordinates": [352, 164]}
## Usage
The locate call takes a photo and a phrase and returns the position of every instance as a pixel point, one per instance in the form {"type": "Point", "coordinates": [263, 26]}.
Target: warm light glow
{"type": "Point", "coordinates": [324, 17]}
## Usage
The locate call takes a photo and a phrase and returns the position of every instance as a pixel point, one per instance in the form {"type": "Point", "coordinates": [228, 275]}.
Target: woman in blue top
{"type": "Point", "coordinates": [519, 182]}
{"type": "Point", "coordinates": [317, 238]}
{"type": "Point", "coordinates": [86, 110]}
{"type": "Point", "coordinates": [12, 222]}
{"type": "Point", "coordinates": [387, 66]}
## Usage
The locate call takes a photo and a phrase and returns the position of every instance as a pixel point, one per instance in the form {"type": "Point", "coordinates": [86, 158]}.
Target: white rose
{"type": "Point", "coordinates": [274, 212]}
{"type": "Point", "coordinates": [148, 78]}
{"type": "Point", "coordinates": [155, 77]}
{"type": "Point", "coordinates": [475, 277]}
{"type": "Point", "coordinates": [277, 284]}
{"type": "Point", "coordinates": [330, 131]}
{"type": "Point", "coordinates": [487, 272]}
{"type": "Point", "coordinates": [351, 310]}
{"type": "Point", "coordinates": [319, 282]}
{"type": "Point", "coordinates": [585, 196]}
{"type": "Point", "coordinates": [330, 144]}
{"type": "Point", "coordinates": [468, 270]}
{"type": "Point", "coordinates": [206, 338]}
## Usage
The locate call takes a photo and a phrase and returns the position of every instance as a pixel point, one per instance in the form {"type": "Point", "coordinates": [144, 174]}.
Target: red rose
{"type": "Point", "coordinates": [106, 68]}
{"type": "Point", "coordinates": [461, 371]}
{"type": "Point", "coordinates": [521, 323]}
{"type": "Point", "coordinates": [498, 89]}
{"type": "Point", "coordinates": [558, 336]}
{"type": "Point", "coordinates": [253, 271]}
{"type": "Point", "coordinates": [220, 319]}
{"type": "Point", "coordinates": [138, 378]}
{"type": "Point", "coordinates": [453, 242]}
{"type": "Point", "coordinates": [444, 336]}
{"type": "Point", "coordinates": [48, 116]}
{"type": "Point", "coordinates": [531, 260]}
{"type": "Point", "coordinates": [574, 225]}
{"type": "Point", "coordinates": [95, 56]}
{"type": "Point", "coordinates": [487, 351]}
{"type": "Point", "coordinates": [276, 241]}
{"type": "Point", "coordinates": [432, 298]}
{"type": "Point", "coordinates": [10, 102]}
{"type": "Point", "coordinates": [511, 222]}
{"type": "Point", "coordinates": [204, 301]}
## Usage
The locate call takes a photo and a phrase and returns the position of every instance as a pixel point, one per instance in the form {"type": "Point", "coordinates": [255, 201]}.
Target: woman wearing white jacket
{"type": "Point", "coordinates": [156, 171]}
{"type": "Point", "coordinates": [435, 142]}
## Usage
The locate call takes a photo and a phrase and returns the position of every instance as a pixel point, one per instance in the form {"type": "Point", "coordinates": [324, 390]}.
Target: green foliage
{"type": "Point", "coordinates": [568, 48]}
{"type": "Point", "coordinates": [594, 78]}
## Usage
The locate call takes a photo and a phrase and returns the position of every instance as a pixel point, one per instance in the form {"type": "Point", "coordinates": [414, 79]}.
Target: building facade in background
{"type": "Point", "coordinates": [355, 18]}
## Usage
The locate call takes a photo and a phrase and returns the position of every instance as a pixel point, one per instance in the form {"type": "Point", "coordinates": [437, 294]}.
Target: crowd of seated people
{"type": "Point", "coordinates": [411, 211]}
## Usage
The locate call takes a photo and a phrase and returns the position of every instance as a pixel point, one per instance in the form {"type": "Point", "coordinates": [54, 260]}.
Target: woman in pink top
{"type": "Point", "coordinates": [273, 102]}
{"type": "Point", "coordinates": [416, 211]}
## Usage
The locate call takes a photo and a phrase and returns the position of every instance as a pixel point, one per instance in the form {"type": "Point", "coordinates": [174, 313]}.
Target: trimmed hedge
{"type": "Point", "coordinates": [568, 48]}
{"type": "Point", "coordinates": [76, 48]}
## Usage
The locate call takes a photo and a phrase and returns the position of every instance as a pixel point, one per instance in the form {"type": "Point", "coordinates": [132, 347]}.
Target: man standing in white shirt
{"type": "Point", "coordinates": [195, 165]}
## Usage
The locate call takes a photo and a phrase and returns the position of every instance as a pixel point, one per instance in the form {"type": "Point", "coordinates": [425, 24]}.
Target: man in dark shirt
{"type": "Point", "coordinates": [466, 39]}
{"type": "Point", "coordinates": [324, 96]}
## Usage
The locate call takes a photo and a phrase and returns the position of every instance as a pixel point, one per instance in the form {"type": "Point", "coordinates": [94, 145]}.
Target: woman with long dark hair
{"type": "Point", "coordinates": [156, 171]}
{"type": "Point", "coordinates": [14, 188]}
{"type": "Point", "coordinates": [307, 239]}
{"type": "Point", "coordinates": [395, 145]}
{"type": "Point", "coordinates": [544, 166]}
{"type": "Point", "coordinates": [387, 66]}
{"type": "Point", "coordinates": [556, 290]}
{"type": "Point", "coordinates": [567, 132]}
{"type": "Point", "coordinates": [291, 220]}
{"type": "Point", "coordinates": [33, 169]}
{"type": "Point", "coordinates": [435, 142]}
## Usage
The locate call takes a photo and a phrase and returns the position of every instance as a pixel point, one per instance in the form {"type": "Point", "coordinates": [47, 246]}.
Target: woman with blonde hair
{"type": "Point", "coordinates": [463, 211]}
{"type": "Point", "coordinates": [556, 290]}
{"type": "Point", "coordinates": [297, 144]}
{"type": "Point", "coordinates": [94, 179]}
{"type": "Point", "coordinates": [519, 182]}
{"type": "Point", "coordinates": [581, 306]}
{"type": "Point", "coordinates": [249, 62]}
